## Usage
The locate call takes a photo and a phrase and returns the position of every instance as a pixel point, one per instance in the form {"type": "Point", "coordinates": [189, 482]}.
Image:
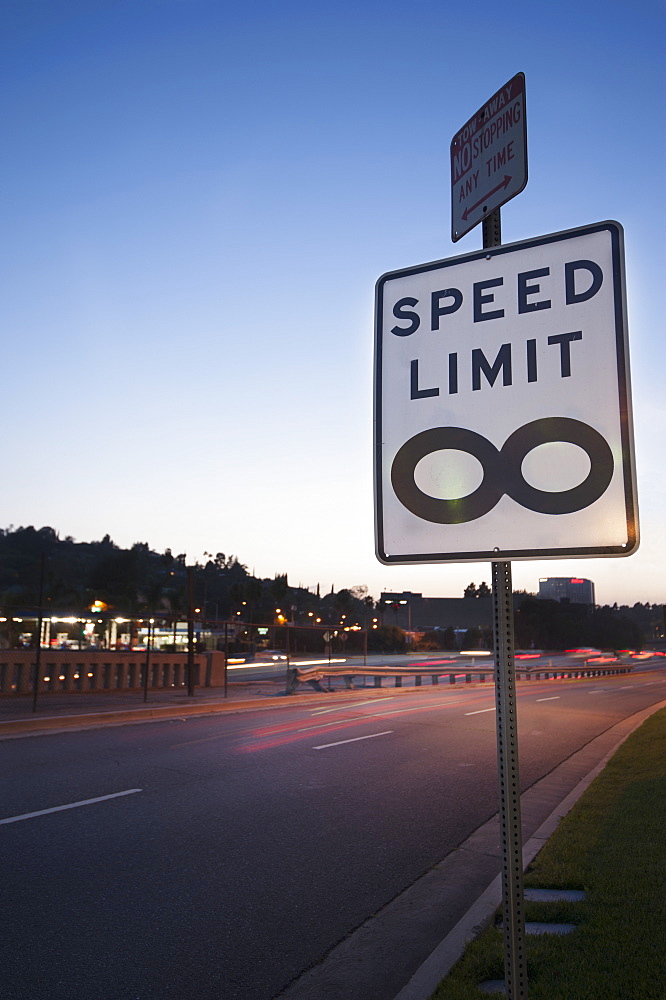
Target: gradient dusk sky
{"type": "Point", "coordinates": [198, 198]}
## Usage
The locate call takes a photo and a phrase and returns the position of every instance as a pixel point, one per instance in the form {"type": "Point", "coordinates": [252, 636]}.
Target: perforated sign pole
{"type": "Point", "coordinates": [515, 963]}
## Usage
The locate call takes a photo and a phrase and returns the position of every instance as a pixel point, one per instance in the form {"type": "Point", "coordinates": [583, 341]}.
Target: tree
{"type": "Point", "coordinates": [280, 588]}
{"type": "Point", "coordinates": [553, 625]}
{"type": "Point", "coordinates": [388, 639]}
{"type": "Point", "coordinates": [438, 638]}
{"type": "Point", "coordinates": [343, 601]}
{"type": "Point", "coordinates": [478, 638]}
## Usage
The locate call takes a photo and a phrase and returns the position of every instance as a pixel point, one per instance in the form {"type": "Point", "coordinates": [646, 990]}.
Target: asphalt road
{"type": "Point", "coordinates": [246, 846]}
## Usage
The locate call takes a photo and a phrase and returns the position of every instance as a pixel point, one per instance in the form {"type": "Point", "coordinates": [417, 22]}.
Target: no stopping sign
{"type": "Point", "coordinates": [502, 404]}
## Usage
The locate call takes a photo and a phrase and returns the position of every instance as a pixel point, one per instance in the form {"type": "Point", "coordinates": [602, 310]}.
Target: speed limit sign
{"type": "Point", "coordinates": [502, 404]}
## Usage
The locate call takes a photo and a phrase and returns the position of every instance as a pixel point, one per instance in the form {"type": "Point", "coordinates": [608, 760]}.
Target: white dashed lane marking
{"type": "Point", "coordinates": [356, 739]}
{"type": "Point", "coordinates": [70, 805]}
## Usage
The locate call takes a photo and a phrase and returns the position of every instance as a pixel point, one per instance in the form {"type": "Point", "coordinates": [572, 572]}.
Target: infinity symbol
{"type": "Point", "coordinates": [502, 470]}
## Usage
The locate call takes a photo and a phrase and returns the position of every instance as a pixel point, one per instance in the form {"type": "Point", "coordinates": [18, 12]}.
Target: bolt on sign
{"type": "Point", "coordinates": [502, 404]}
{"type": "Point", "coordinates": [489, 158]}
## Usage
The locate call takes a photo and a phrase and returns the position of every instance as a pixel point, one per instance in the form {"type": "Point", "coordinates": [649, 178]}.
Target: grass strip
{"type": "Point", "coordinates": [613, 846]}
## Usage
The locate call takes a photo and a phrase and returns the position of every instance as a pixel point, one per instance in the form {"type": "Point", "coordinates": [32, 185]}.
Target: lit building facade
{"type": "Point", "coordinates": [572, 589]}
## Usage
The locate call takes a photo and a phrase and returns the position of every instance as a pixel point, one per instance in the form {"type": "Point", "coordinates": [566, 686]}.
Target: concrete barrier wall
{"type": "Point", "coordinates": [104, 670]}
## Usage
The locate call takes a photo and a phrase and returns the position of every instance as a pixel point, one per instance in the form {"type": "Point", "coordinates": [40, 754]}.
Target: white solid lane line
{"type": "Point", "coordinates": [555, 697]}
{"type": "Point", "coordinates": [325, 746]}
{"type": "Point", "coordinates": [481, 711]}
{"type": "Point", "coordinates": [375, 715]}
{"type": "Point", "coordinates": [70, 805]}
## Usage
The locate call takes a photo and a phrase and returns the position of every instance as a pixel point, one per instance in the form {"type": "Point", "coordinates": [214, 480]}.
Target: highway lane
{"type": "Point", "coordinates": [256, 841]}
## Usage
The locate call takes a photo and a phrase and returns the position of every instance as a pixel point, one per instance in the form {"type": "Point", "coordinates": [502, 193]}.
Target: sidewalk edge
{"type": "Point", "coordinates": [55, 723]}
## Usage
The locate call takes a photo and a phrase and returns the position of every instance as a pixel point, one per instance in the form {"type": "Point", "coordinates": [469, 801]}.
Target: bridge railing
{"type": "Point", "coordinates": [104, 670]}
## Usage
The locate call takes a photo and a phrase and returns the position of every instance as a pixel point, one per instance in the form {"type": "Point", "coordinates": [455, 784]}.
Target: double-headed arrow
{"type": "Point", "coordinates": [471, 208]}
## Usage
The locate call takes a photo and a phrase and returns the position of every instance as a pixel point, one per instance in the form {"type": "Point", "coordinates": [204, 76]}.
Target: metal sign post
{"type": "Point", "coordinates": [511, 834]}
{"type": "Point", "coordinates": [515, 960]}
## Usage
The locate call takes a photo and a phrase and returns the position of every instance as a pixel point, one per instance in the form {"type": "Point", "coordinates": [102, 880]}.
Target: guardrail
{"type": "Point", "coordinates": [314, 675]}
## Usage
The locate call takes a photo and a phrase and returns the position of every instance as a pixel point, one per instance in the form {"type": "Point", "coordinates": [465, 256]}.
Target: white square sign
{"type": "Point", "coordinates": [502, 404]}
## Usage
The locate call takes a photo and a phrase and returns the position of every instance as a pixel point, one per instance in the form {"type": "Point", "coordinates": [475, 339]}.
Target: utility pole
{"type": "Point", "coordinates": [190, 631]}
{"type": "Point", "coordinates": [38, 651]}
{"type": "Point", "coordinates": [147, 668]}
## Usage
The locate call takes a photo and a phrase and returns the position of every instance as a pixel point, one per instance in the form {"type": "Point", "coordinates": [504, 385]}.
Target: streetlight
{"type": "Point", "coordinates": [409, 614]}
{"type": "Point", "coordinates": [393, 604]}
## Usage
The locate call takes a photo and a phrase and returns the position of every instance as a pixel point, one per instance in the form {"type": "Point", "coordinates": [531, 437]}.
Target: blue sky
{"type": "Point", "coordinates": [197, 201]}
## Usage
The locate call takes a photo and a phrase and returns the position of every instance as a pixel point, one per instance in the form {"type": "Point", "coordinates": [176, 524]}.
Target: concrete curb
{"type": "Point", "coordinates": [53, 723]}
{"type": "Point", "coordinates": [439, 963]}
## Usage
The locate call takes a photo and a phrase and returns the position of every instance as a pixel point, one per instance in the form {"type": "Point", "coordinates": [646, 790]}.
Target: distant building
{"type": "Point", "coordinates": [571, 589]}
{"type": "Point", "coordinates": [416, 612]}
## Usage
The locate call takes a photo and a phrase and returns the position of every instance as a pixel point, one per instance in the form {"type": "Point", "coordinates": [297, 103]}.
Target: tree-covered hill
{"type": "Point", "coordinates": [73, 575]}
{"type": "Point", "coordinates": [137, 581]}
